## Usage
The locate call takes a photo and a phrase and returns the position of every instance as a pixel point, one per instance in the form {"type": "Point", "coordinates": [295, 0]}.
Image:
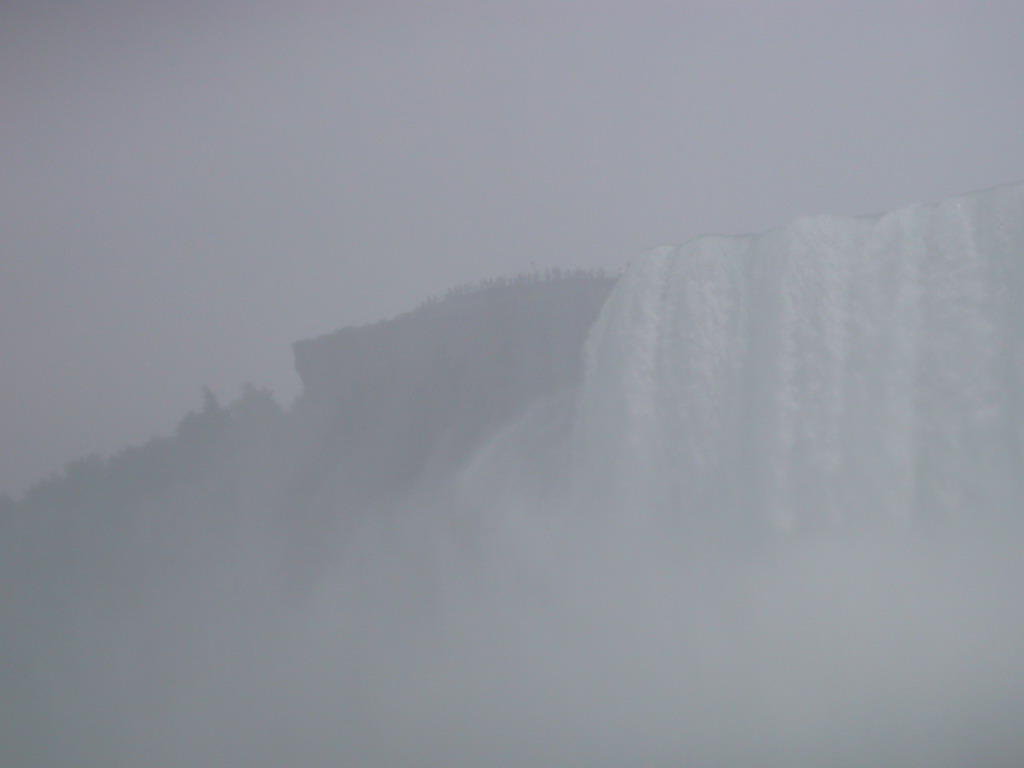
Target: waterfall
{"type": "Point", "coordinates": [837, 371]}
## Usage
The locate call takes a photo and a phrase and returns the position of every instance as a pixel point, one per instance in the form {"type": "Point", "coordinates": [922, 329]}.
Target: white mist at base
{"type": "Point", "coordinates": [805, 450]}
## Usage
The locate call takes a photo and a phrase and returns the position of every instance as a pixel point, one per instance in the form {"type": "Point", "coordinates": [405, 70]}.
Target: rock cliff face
{"type": "Point", "coordinates": [415, 394]}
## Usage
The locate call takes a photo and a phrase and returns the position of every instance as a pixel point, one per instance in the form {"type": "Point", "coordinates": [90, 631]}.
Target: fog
{"type": "Point", "coordinates": [744, 500]}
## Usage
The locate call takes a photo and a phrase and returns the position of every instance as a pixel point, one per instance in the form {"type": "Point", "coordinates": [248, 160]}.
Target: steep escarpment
{"type": "Point", "coordinates": [385, 403]}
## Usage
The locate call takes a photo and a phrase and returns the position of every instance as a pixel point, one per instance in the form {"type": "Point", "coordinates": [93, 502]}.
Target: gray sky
{"type": "Point", "coordinates": [188, 187]}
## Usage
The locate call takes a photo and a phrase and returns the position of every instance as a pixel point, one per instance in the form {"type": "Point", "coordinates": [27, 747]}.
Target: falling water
{"type": "Point", "coordinates": [835, 372]}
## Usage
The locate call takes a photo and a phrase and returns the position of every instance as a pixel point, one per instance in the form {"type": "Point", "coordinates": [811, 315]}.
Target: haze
{"type": "Point", "coordinates": [189, 188]}
{"type": "Point", "coordinates": [751, 500]}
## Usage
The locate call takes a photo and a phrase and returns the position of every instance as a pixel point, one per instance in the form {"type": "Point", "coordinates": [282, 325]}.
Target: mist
{"type": "Point", "coordinates": [352, 413]}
